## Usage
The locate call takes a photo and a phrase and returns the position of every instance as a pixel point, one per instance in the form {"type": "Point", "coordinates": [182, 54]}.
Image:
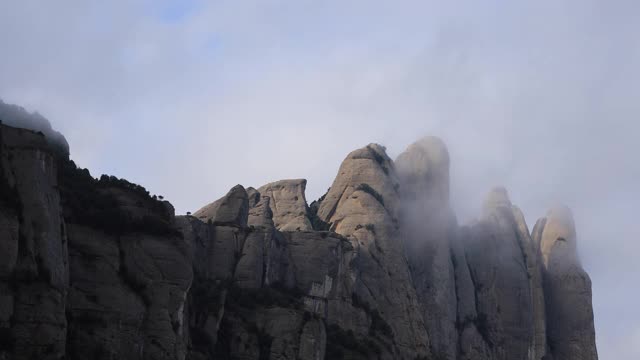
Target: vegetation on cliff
{"type": "Point", "coordinates": [115, 206]}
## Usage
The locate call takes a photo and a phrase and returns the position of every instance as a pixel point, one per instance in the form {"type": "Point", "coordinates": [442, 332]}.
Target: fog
{"type": "Point", "coordinates": [189, 98]}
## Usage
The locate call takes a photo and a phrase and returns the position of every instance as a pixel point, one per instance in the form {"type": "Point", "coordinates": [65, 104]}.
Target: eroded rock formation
{"type": "Point", "coordinates": [378, 268]}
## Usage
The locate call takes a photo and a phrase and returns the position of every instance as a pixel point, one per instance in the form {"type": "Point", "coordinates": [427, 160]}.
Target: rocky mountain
{"type": "Point", "coordinates": [377, 268]}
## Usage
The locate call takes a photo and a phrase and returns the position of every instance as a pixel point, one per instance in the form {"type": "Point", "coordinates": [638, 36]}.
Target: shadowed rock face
{"type": "Point", "coordinates": [34, 275]}
{"type": "Point", "coordinates": [378, 268]}
{"type": "Point", "coordinates": [499, 255]}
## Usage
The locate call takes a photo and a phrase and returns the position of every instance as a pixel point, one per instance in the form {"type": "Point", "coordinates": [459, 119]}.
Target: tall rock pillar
{"type": "Point", "coordinates": [570, 328]}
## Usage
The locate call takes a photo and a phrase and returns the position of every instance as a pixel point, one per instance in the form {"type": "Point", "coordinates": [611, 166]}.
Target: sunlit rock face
{"type": "Point", "coordinates": [289, 205]}
{"type": "Point", "coordinates": [363, 206]}
{"type": "Point", "coordinates": [377, 268]}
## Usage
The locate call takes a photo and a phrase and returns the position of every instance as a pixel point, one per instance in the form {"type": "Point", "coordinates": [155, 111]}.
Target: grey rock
{"type": "Point", "coordinates": [260, 213]}
{"type": "Point", "coordinates": [567, 286]}
{"type": "Point", "coordinates": [36, 257]}
{"type": "Point", "coordinates": [288, 204]}
{"type": "Point", "coordinates": [230, 210]}
{"type": "Point", "coordinates": [99, 296]}
{"type": "Point", "coordinates": [471, 345]}
{"type": "Point", "coordinates": [362, 205]}
{"type": "Point", "coordinates": [319, 263]}
{"type": "Point", "coordinates": [429, 226]}
{"type": "Point", "coordinates": [313, 341]}
{"type": "Point", "coordinates": [392, 276]}
{"type": "Point", "coordinates": [250, 266]}
{"type": "Point", "coordinates": [501, 278]}
{"type": "Point", "coordinates": [284, 326]}
{"type": "Point", "coordinates": [536, 286]}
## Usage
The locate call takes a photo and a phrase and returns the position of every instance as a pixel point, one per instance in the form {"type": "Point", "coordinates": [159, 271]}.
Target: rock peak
{"type": "Point", "coordinates": [497, 197]}
{"type": "Point", "coordinates": [288, 204]}
{"type": "Point", "coordinates": [368, 169]}
{"type": "Point", "coordinates": [424, 171]}
{"type": "Point", "coordinates": [433, 147]}
{"type": "Point", "coordinates": [231, 209]}
{"type": "Point", "coordinates": [557, 240]}
{"type": "Point", "coordinates": [17, 116]}
{"type": "Point", "coordinates": [567, 287]}
{"type": "Point", "coordinates": [377, 268]}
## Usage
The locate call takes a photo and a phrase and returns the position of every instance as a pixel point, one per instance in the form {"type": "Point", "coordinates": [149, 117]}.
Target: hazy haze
{"type": "Point", "coordinates": [189, 98]}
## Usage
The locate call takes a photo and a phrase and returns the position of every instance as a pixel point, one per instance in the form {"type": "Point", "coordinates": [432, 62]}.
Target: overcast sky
{"type": "Point", "coordinates": [189, 98]}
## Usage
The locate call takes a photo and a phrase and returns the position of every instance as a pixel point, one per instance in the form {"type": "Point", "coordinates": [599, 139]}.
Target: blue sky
{"type": "Point", "coordinates": [190, 98]}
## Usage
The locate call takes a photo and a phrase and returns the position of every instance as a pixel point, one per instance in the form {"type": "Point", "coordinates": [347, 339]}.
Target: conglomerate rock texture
{"type": "Point", "coordinates": [378, 268]}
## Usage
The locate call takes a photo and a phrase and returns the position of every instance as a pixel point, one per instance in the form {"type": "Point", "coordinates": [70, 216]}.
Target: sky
{"type": "Point", "coordinates": [189, 98]}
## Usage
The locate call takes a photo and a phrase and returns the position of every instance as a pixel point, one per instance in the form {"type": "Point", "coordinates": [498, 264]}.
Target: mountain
{"type": "Point", "coordinates": [377, 268]}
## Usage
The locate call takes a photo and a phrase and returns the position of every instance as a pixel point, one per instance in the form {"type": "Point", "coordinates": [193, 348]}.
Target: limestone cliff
{"type": "Point", "coordinates": [378, 268]}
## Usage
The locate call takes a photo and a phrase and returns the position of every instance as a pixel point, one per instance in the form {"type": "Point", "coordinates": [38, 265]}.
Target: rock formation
{"type": "Point", "coordinates": [363, 205]}
{"type": "Point", "coordinates": [34, 271]}
{"type": "Point", "coordinates": [289, 204]}
{"type": "Point", "coordinates": [17, 116]}
{"type": "Point", "coordinates": [567, 288]}
{"type": "Point", "coordinates": [378, 268]}
{"type": "Point", "coordinates": [428, 227]}
{"type": "Point", "coordinates": [498, 255]}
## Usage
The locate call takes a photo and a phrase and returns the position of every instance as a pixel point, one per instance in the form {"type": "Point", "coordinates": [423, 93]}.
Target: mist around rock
{"type": "Point", "coordinates": [377, 268]}
{"type": "Point", "coordinates": [17, 116]}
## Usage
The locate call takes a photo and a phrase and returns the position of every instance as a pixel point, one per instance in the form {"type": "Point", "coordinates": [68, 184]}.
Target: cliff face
{"type": "Point", "coordinates": [378, 268]}
{"type": "Point", "coordinates": [428, 227]}
{"type": "Point", "coordinates": [34, 271]}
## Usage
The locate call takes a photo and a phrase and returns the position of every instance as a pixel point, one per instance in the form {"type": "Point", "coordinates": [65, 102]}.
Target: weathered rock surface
{"type": "Point", "coordinates": [536, 285]}
{"type": "Point", "coordinates": [378, 268]}
{"type": "Point", "coordinates": [428, 227]}
{"type": "Point", "coordinates": [363, 205]}
{"type": "Point", "coordinates": [288, 204]}
{"type": "Point", "coordinates": [34, 274]}
{"type": "Point", "coordinates": [230, 210]}
{"type": "Point", "coordinates": [497, 259]}
{"type": "Point", "coordinates": [479, 287]}
{"type": "Point", "coordinates": [567, 287]}
{"type": "Point", "coordinates": [139, 282]}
